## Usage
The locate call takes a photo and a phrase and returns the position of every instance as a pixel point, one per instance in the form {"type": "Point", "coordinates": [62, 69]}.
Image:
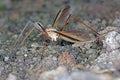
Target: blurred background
{"type": "Point", "coordinates": [19, 12]}
{"type": "Point", "coordinates": [14, 14]}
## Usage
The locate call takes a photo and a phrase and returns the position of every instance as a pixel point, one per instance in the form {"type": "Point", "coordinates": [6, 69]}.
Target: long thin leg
{"type": "Point", "coordinates": [86, 25]}
{"type": "Point", "coordinates": [80, 21]}
{"type": "Point", "coordinates": [22, 32]}
{"type": "Point", "coordinates": [27, 35]}
{"type": "Point", "coordinates": [38, 26]}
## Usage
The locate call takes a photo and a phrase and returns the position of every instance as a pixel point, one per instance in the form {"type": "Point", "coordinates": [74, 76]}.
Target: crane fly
{"type": "Point", "coordinates": [75, 36]}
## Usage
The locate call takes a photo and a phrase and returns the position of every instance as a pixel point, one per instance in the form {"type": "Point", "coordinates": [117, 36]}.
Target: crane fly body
{"type": "Point", "coordinates": [74, 36]}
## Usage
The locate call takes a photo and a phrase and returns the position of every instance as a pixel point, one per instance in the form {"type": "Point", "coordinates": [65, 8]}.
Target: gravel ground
{"type": "Point", "coordinates": [59, 60]}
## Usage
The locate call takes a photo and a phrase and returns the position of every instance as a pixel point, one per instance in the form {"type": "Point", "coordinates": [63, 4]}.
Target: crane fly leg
{"type": "Point", "coordinates": [80, 21]}
{"type": "Point", "coordinates": [27, 35]}
{"type": "Point", "coordinates": [22, 32]}
{"type": "Point", "coordinates": [86, 25]}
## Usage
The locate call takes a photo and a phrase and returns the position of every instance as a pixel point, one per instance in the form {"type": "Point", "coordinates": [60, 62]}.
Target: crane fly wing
{"type": "Point", "coordinates": [75, 36]}
{"type": "Point", "coordinates": [61, 15]}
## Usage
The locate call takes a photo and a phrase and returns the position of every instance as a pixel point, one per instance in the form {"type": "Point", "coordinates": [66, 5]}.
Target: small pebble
{"type": "Point", "coordinates": [11, 77]}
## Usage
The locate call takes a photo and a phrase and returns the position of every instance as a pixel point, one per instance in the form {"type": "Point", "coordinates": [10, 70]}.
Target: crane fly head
{"type": "Point", "coordinates": [52, 34]}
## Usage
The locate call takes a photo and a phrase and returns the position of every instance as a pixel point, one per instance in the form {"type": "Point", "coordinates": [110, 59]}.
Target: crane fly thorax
{"type": "Point", "coordinates": [52, 34]}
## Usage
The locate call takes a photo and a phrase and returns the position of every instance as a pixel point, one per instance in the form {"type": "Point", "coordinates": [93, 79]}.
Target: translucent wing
{"type": "Point", "coordinates": [62, 14]}
{"type": "Point", "coordinates": [75, 36]}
